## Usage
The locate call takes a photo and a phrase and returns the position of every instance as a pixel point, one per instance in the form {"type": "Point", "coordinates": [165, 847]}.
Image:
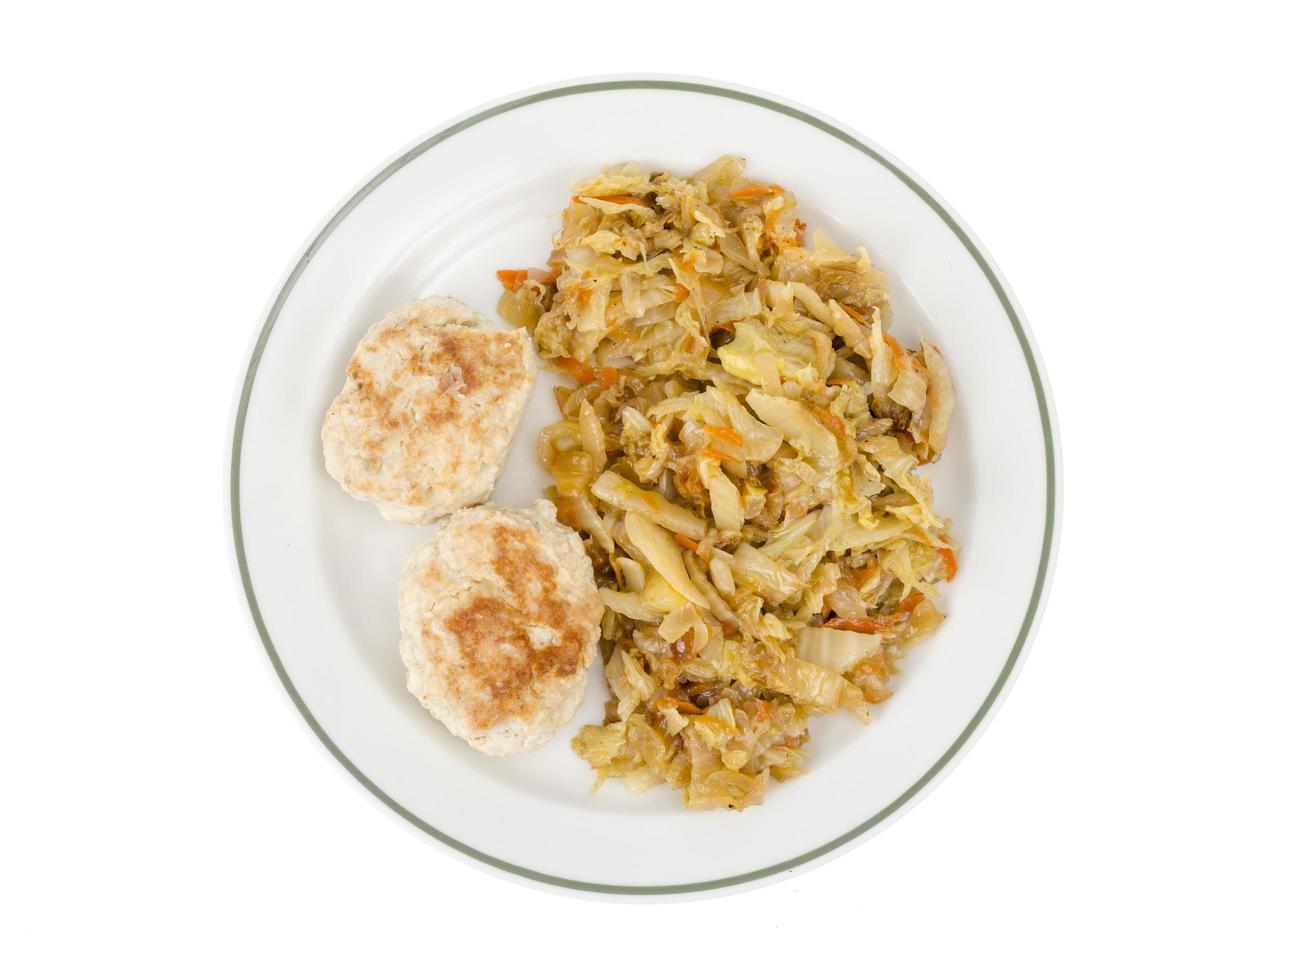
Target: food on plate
{"type": "Point", "coordinates": [741, 451]}
{"type": "Point", "coordinates": [432, 398]}
{"type": "Point", "coordinates": [498, 617]}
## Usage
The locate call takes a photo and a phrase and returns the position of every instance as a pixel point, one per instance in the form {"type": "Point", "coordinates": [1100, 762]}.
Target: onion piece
{"type": "Point", "coordinates": [799, 426]}
{"type": "Point", "coordinates": [681, 621]}
{"type": "Point", "coordinates": [592, 435]}
{"type": "Point", "coordinates": [720, 572]}
{"type": "Point", "coordinates": [587, 519]}
{"type": "Point", "coordinates": [764, 575]}
{"type": "Point", "coordinates": [724, 499]}
{"type": "Point", "coordinates": [837, 650]}
{"type": "Point", "coordinates": [634, 576]}
{"type": "Point", "coordinates": [628, 497]}
{"type": "Point", "coordinates": [628, 604]}
{"type": "Point", "coordinates": [941, 398]}
{"type": "Point", "coordinates": [664, 555]}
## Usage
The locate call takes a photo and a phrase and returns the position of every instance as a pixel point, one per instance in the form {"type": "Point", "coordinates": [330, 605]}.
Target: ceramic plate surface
{"type": "Point", "coordinates": [320, 569]}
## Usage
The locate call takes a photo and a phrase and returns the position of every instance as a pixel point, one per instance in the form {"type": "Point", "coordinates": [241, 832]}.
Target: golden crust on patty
{"type": "Point", "coordinates": [432, 398]}
{"type": "Point", "coordinates": [500, 618]}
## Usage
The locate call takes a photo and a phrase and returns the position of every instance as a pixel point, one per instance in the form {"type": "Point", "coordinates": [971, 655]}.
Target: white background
{"type": "Point", "coordinates": [168, 813]}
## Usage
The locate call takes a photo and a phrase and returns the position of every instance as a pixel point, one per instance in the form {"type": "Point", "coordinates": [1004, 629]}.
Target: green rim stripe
{"type": "Point", "coordinates": [714, 90]}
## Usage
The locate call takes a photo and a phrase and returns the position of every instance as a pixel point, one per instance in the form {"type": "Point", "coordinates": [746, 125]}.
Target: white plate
{"type": "Point", "coordinates": [320, 569]}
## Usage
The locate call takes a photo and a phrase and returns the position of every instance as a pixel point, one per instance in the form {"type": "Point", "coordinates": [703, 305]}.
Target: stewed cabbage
{"type": "Point", "coordinates": [741, 449]}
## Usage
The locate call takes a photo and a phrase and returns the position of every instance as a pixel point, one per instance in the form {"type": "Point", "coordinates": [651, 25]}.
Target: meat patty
{"type": "Point", "coordinates": [432, 398]}
{"type": "Point", "coordinates": [499, 619]}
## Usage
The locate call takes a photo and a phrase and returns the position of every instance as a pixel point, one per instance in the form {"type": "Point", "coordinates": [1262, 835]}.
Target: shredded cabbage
{"type": "Point", "coordinates": [741, 454]}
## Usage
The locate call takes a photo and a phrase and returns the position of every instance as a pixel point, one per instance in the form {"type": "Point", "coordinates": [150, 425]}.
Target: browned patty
{"type": "Point", "coordinates": [500, 618]}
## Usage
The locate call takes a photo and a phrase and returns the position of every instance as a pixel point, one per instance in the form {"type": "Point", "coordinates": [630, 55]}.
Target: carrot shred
{"type": "Point", "coordinates": [725, 434]}
{"type": "Point", "coordinates": [513, 279]}
{"type": "Point", "coordinates": [881, 623]}
{"type": "Point", "coordinates": [854, 625]}
{"type": "Point", "coordinates": [872, 666]}
{"type": "Point", "coordinates": [861, 576]}
{"type": "Point", "coordinates": [680, 292]}
{"type": "Point", "coordinates": [664, 702]}
{"type": "Point", "coordinates": [720, 455]}
{"type": "Point", "coordinates": [949, 557]}
{"type": "Point", "coordinates": [910, 602]}
{"type": "Point", "coordinates": [899, 352]}
{"type": "Point", "coordinates": [831, 421]}
{"type": "Point", "coordinates": [686, 542]}
{"type": "Point", "coordinates": [565, 511]}
{"type": "Point", "coordinates": [756, 190]}
{"type": "Point", "coordinates": [582, 373]}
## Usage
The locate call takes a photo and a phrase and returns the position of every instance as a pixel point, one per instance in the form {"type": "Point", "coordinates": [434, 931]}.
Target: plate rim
{"type": "Point", "coordinates": [1044, 401]}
